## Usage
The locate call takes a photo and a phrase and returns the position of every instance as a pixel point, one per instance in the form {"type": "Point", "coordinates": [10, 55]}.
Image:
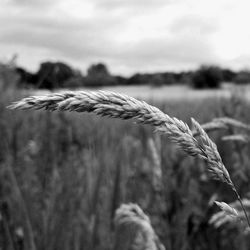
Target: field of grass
{"type": "Point", "coordinates": [62, 176]}
{"type": "Point", "coordinates": [180, 92]}
{"type": "Point", "coordinates": [172, 93]}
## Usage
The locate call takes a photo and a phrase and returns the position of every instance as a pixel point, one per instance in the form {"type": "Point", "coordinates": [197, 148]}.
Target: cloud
{"type": "Point", "coordinates": [69, 37]}
{"type": "Point", "coordinates": [194, 24]}
{"type": "Point", "coordinates": [141, 5]}
{"type": "Point", "coordinates": [31, 4]}
{"type": "Point", "coordinates": [93, 41]}
{"type": "Point", "coordinates": [128, 35]}
{"type": "Point", "coordinates": [167, 54]}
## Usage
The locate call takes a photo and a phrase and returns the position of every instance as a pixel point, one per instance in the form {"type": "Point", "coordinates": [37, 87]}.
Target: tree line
{"type": "Point", "coordinates": [51, 75]}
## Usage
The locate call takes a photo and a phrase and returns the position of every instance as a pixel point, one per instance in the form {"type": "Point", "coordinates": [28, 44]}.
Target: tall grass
{"type": "Point", "coordinates": [74, 171]}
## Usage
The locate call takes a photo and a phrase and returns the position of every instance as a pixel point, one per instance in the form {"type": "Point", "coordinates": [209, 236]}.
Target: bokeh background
{"type": "Point", "coordinates": [63, 175]}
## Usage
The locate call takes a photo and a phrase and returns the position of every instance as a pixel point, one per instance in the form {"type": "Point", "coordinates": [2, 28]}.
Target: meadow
{"type": "Point", "coordinates": [63, 175]}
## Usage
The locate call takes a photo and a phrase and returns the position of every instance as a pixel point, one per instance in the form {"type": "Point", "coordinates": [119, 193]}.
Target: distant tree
{"type": "Point", "coordinates": [228, 75]}
{"type": "Point", "coordinates": [26, 79]}
{"type": "Point", "coordinates": [121, 80]}
{"type": "Point", "coordinates": [74, 82]}
{"type": "Point", "coordinates": [98, 75]}
{"type": "Point", "coordinates": [169, 78]}
{"type": "Point", "coordinates": [243, 77]}
{"type": "Point", "coordinates": [8, 76]}
{"type": "Point", "coordinates": [207, 77]}
{"type": "Point", "coordinates": [157, 80]}
{"type": "Point", "coordinates": [185, 77]}
{"type": "Point", "coordinates": [139, 79]}
{"type": "Point", "coordinates": [134, 79]}
{"type": "Point", "coordinates": [98, 69]}
{"type": "Point", "coordinates": [53, 75]}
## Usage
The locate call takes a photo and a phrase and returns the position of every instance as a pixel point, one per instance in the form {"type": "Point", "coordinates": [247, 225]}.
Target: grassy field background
{"type": "Point", "coordinates": [173, 92]}
{"type": "Point", "coordinates": [62, 175]}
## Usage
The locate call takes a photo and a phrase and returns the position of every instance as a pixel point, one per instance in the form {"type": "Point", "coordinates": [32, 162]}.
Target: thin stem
{"type": "Point", "coordinates": [239, 199]}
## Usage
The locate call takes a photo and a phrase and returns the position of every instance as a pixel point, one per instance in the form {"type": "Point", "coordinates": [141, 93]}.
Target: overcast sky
{"type": "Point", "coordinates": [128, 35]}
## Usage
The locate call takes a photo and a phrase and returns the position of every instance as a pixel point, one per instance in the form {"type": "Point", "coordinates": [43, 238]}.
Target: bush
{"type": "Point", "coordinates": [243, 77]}
{"type": "Point", "coordinates": [98, 75]}
{"type": "Point", "coordinates": [8, 76]}
{"type": "Point", "coordinates": [53, 75]}
{"type": "Point", "coordinates": [157, 80]}
{"type": "Point", "coordinates": [138, 79]}
{"type": "Point", "coordinates": [228, 75]}
{"type": "Point", "coordinates": [99, 81]}
{"type": "Point", "coordinates": [207, 77]}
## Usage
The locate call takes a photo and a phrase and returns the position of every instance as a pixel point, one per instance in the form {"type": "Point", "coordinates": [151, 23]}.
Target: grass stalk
{"type": "Point", "coordinates": [242, 206]}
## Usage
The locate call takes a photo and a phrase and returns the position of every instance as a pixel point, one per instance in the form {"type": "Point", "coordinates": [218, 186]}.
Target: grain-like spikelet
{"type": "Point", "coordinates": [125, 107]}
{"type": "Point", "coordinates": [227, 209]}
{"type": "Point", "coordinates": [223, 123]}
{"type": "Point", "coordinates": [211, 126]}
{"type": "Point", "coordinates": [220, 218]}
{"type": "Point", "coordinates": [117, 106]}
{"type": "Point", "coordinates": [133, 230]}
{"type": "Point", "coordinates": [211, 155]}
